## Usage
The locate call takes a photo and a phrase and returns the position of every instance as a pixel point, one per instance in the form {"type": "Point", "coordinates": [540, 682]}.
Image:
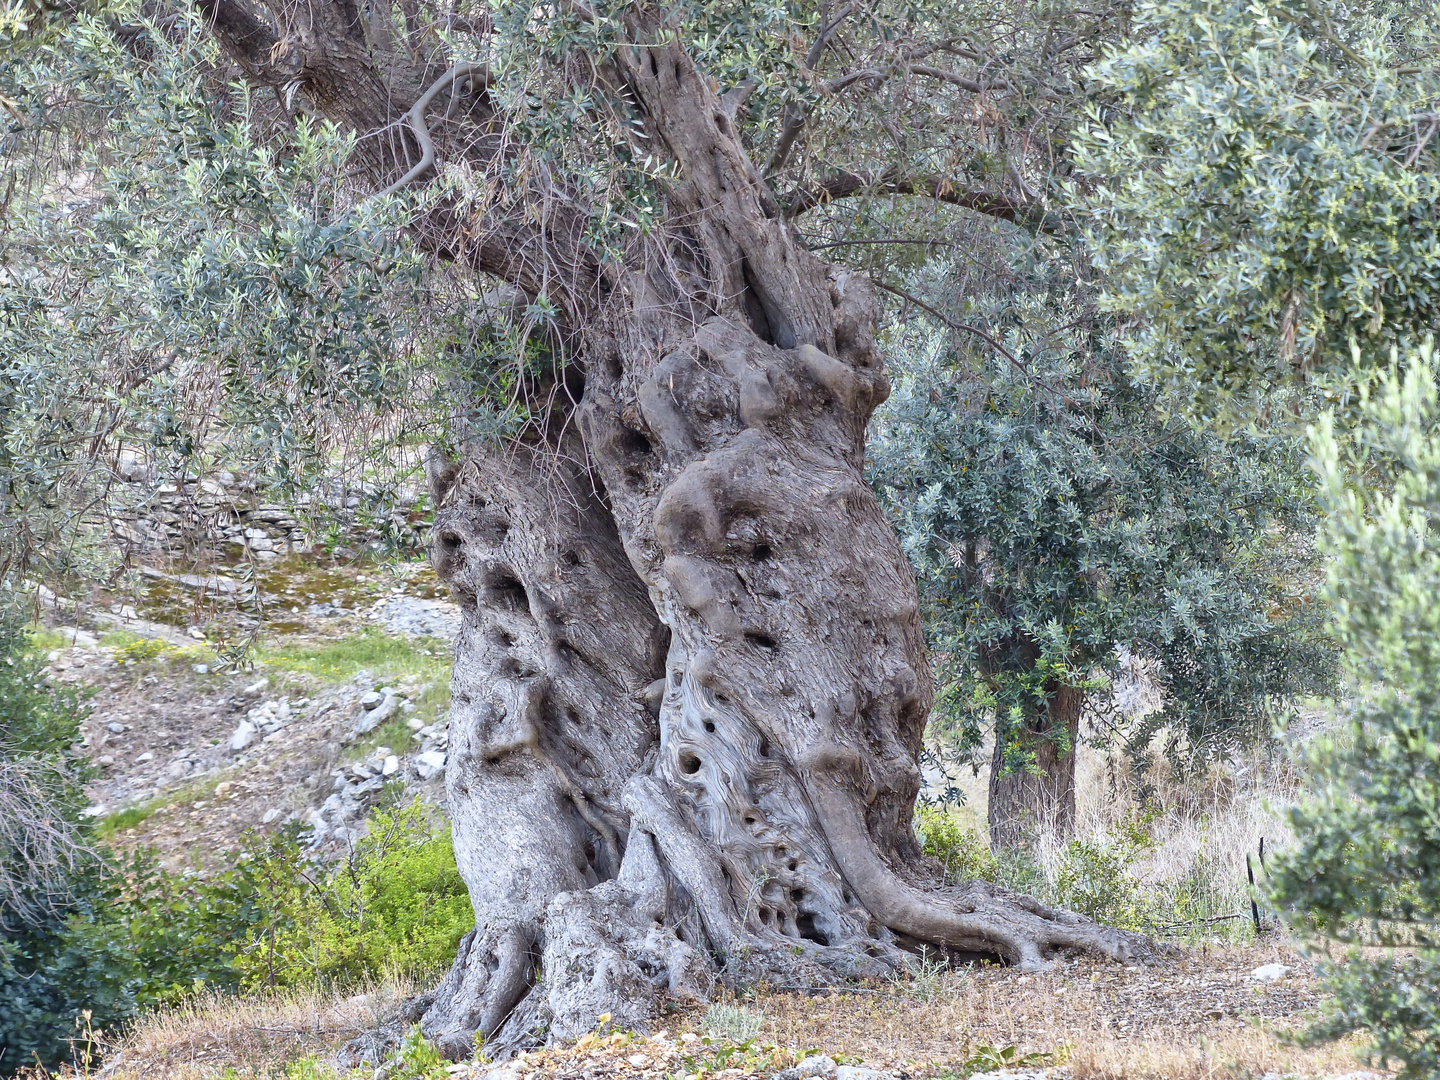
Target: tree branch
{"type": "Point", "coordinates": [983, 336]}
{"type": "Point", "coordinates": [795, 116]}
{"type": "Point", "coordinates": [416, 119]}
{"type": "Point", "coordinates": [845, 184]}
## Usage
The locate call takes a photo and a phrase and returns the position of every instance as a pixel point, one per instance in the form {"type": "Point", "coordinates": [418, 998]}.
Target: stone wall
{"type": "Point", "coordinates": [231, 515]}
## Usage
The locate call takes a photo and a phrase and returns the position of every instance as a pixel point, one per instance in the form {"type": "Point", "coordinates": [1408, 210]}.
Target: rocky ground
{"type": "Point", "coordinates": [343, 696]}
{"type": "Point", "coordinates": [1203, 1015]}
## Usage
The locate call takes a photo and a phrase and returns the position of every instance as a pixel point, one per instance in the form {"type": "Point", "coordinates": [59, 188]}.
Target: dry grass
{"type": "Point", "coordinates": [1203, 824]}
{"type": "Point", "coordinates": [1198, 1017]}
{"type": "Point", "coordinates": [256, 1035]}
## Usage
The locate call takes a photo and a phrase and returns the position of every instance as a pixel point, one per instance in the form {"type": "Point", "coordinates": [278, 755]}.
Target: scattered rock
{"type": "Point", "coordinates": [371, 699]}
{"type": "Point", "coordinates": [115, 727]}
{"type": "Point", "coordinates": [244, 735]}
{"type": "Point", "coordinates": [269, 816]}
{"type": "Point", "coordinates": [816, 1065]}
{"type": "Point", "coordinates": [372, 718]}
{"type": "Point", "coordinates": [856, 1072]}
{"type": "Point", "coordinates": [391, 766]}
{"type": "Point", "coordinates": [432, 763]}
{"type": "Point", "coordinates": [255, 689]}
{"type": "Point", "coordinates": [420, 618]}
{"type": "Point", "coordinates": [79, 638]}
{"type": "Point", "coordinates": [1270, 973]}
{"type": "Point", "coordinates": [143, 758]}
{"type": "Point", "coordinates": [196, 633]}
{"type": "Point", "coordinates": [215, 583]}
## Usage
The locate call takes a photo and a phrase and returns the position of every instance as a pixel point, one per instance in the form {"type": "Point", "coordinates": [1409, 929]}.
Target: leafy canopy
{"type": "Point", "coordinates": [1265, 191]}
{"type": "Point", "coordinates": [1053, 515]}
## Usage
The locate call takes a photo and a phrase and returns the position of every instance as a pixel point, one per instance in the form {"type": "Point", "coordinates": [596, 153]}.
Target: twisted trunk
{"type": "Point", "coordinates": [753, 802]}
{"type": "Point", "coordinates": [691, 685]}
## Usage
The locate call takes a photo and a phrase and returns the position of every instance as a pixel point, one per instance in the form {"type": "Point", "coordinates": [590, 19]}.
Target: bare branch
{"type": "Point", "coordinates": [846, 184]}
{"type": "Point", "coordinates": [795, 116]}
{"type": "Point", "coordinates": [416, 119]}
{"type": "Point", "coordinates": [40, 849]}
{"type": "Point", "coordinates": [983, 336]}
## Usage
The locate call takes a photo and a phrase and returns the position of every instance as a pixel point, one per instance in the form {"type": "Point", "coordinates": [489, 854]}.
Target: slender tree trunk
{"type": "Point", "coordinates": [1037, 798]}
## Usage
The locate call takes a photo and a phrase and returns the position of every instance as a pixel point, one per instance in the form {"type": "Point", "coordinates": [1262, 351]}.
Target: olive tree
{"type": "Point", "coordinates": [1055, 516]}
{"type": "Point", "coordinates": [691, 682]}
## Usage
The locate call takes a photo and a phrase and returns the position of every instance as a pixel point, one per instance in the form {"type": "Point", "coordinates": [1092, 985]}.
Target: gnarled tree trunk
{"type": "Point", "coordinates": [761, 811]}
{"type": "Point", "coordinates": [691, 686]}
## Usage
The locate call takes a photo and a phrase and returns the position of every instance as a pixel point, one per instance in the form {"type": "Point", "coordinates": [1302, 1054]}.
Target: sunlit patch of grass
{"type": "Point", "coordinates": [128, 818]}
{"type": "Point", "coordinates": [43, 639]}
{"type": "Point", "coordinates": [384, 656]}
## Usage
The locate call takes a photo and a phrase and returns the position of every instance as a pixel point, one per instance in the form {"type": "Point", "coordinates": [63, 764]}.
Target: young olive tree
{"type": "Point", "coordinates": [691, 683]}
{"type": "Point", "coordinates": [1054, 515]}
{"type": "Point", "coordinates": [1365, 869]}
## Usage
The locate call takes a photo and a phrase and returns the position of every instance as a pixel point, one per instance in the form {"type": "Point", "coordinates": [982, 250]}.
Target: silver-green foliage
{"type": "Point", "coordinates": [1266, 190]}
{"type": "Point", "coordinates": [175, 278]}
{"type": "Point", "coordinates": [1368, 860]}
{"type": "Point", "coordinates": [1052, 513]}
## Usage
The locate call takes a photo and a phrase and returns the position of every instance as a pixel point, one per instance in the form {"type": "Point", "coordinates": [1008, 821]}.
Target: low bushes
{"type": "Point", "coordinates": [1095, 876]}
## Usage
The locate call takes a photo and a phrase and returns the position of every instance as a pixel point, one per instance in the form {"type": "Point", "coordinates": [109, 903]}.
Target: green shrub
{"type": "Point", "coordinates": [1367, 857]}
{"type": "Point", "coordinates": [1095, 880]}
{"type": "Point", "coordinates": [964, 853]}
{"type": "Point", "coordinates": [397, 905]}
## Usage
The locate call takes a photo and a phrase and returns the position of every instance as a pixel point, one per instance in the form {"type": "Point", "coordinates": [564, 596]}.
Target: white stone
{"type": "Point", "coordinates": [855, 1072]}
{"type": "Point", "coordinates": [269, 816]}
{"type": "Point", "coordinates": [431, 763]}
{"type": "Point", "coordinates": [369, 721]}
{"type": "Point", "coordinates": [79, 638]}
{"type": "Point", "coordinates": [256, 688]}
{"type": "Point", "coordinates": [147, 756]}
{"type": "Point", "coordinates": [244, 735]}
{"type": "Point", "coordinates": [371, 699]}
{"type": "Point", "coordinates": [816, 1065]}
{"type": "Point", "coordinates": [391, 766]}
{"type": "Point", "coordinates": [202, 669]}
{"type": "Point", "coordinates": [196, 633]}
{"type": "Point", "coordinates": [1270, 973]}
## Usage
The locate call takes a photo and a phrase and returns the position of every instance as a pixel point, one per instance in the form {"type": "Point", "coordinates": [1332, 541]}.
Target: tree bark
{"type": "Point", "coordinates": [1037, 798]}
{"type": "Point", "coordinates": [765, 830]}
{"type": "Point", "coordinates": [691, 685]}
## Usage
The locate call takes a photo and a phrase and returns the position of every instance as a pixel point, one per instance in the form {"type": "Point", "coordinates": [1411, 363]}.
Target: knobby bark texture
{"type": "Point", "coordinates": [691, 685]}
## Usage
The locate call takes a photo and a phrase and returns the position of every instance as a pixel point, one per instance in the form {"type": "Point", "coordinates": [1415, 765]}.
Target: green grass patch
{"type": "Point", "coordinates": [128, 818]}
{"type": "Point", "coordinates": [43, 639]}
{"type": "Point", "coordinates": [371, 650]}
